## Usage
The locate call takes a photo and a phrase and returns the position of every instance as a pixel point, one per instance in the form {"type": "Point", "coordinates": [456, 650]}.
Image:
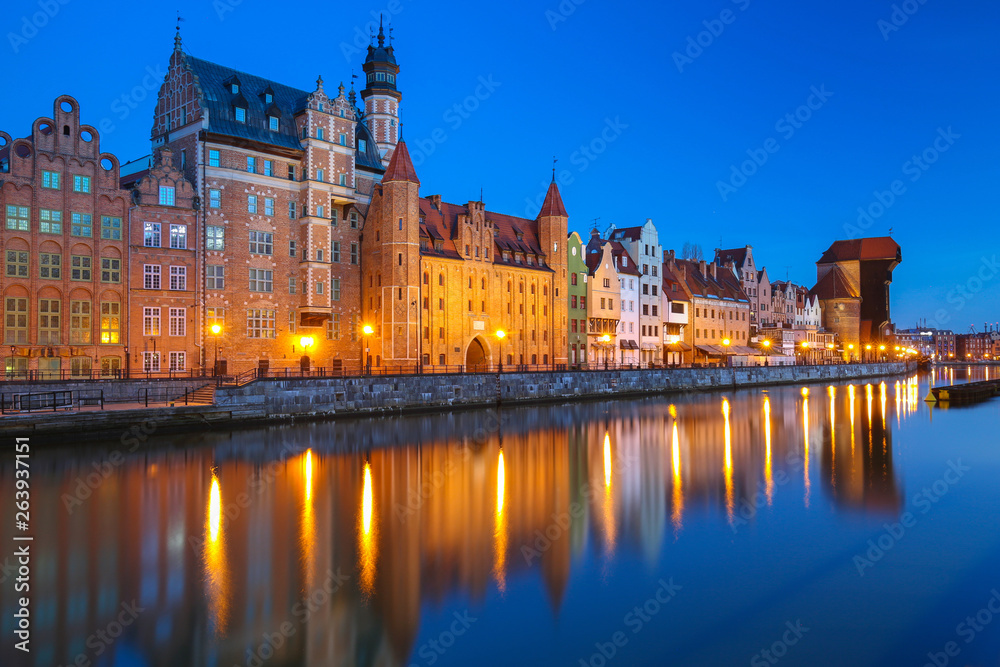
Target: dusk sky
{"type": "Point", "coordinates": [648, 112]}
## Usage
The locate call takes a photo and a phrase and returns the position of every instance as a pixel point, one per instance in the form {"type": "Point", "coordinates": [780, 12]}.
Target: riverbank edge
{"type": "Point", "coordinates": [276, 401]}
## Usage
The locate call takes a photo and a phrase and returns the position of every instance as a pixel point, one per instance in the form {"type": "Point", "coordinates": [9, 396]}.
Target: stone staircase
{"type": "Point", "coordinates": [204, 395]}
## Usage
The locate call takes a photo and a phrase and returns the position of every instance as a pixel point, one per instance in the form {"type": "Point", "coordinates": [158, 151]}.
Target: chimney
{"type": "Point", "coordinates": [166, 157]}
{"type": "Point", "coordinates": [703, 269]}
{"type": "Point", "coordinates": [714, 276]}
{"type": "Point", "coordinates": [435, 201]}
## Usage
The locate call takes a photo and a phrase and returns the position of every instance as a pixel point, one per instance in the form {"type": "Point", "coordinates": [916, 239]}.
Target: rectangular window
{"type": "Point", "coordinates": [216, 278]}
{"type": "Point", "coordinates": [268, 206]}
{"type": "Point", "coordinates": [50, 179]}
{"type": "Point", "coordinates": [82, 225]}
{"type": "Point", "coordinates": [151, 276]}
{"type": "Point", "coordinates": [319, 255]}
{"type": "Point", "coordinates": [241, 115]}
{"type": "Point", "coordinates": [319, 287]}
{"type": "Point", "coordinates": [17, 264]}
{"type": "Point", "coordinates": [333, 327]}
{"type": "Point", "coordinates": [272, 124]}
{"type": "Point", "coordinates": [335, 253]}
{"type": "Point", "coordinates": [111, 228]}
{"type": "Point", "coordinates": [15, 320]}
{"type": "Point", "coordinates": [320, 133]}
{"type": "Point", "coordinates": [260, 323]}
{"type": "Point", "coordinates": [319, 173]}
{"type": "Point", "coordinates": [343, 139]}
{"type": "Point", "coordinates": [50, 266]}
{"type": "Point", "coordinates": [291, 172]}
{"type": "Point", "coordinates": [291, 210]}
{"type": "Point", "coordinates": [292, 321]}
{"type": "Point", "coordinates": [50, 222]}
{"type": "Point", "coordinates": [177, 361]}
{"type": "Point", "coordinates": [178, 237]}
{"type": "Point", "coordinates": [354, 253]}
{"type": "Point", "coordinates": [333, 216]}
{"type": "Point", "coordinates": [320, 211]}
{"type": "Point", "coordinates": [251, 203]}
{"type": "Point", "coordinates": [81, 267]}
{"type": "Point", "coordinates": [269, 164]}
{"type": "Point", "coordinates": [178, 322]}
{"type": "Point", "coordinates": [110, 322]}
{"type": "Point", "coordinates": [167, 194]}
{"type": "Point", "coordinates": [81, 184]}
{"type": "Point", "coordinates": [291, 248]}
{"type": "Point", "coordinates": [261, 280]}
{"type": "Point", "coordinates": [79, 323]}
{"type": "Point", "coordinates": [150, 234]}
{"type": "Point", "coordinates": [261, 243]}
{"type": "Point", "coordinates": [215, 238]}
{"type": "Point", "coordinates": [251, 164]}
{"type": "Point", "coordinates": [354, 220]}
{"type": "Point", "coordinates": [291, 284]}
{"type": "Point", "coordinates": [178, 278]}
{"type": "Point", "coordinates": [111, 270]}
{"type": "Point", "coordinates": [48, 321]}
{"type": "Point", "coordinates": [335, 289]}
{"type": "Point", "coordinates": [151, 362]}
{"type": "Point", "coordinates": [343, 179]}
{"type": "Point", "coordinates": [213, 158]}
{"type": "Point", "coordinates": [151, 321]}
{"type": "Point", "coordinates": [214, 198]}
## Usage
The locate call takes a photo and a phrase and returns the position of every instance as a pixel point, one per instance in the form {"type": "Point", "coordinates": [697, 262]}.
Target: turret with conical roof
{"type": "Point", "coordinates": [552, 224]}
{"type": "Point", "coordinates": [380, 95]}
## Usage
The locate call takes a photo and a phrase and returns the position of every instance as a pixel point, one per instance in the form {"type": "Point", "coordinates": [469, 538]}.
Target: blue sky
{"type": "Point", "coordinates": [649, 109]}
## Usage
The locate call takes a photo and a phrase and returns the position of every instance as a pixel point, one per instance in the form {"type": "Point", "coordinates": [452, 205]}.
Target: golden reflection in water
{"type": "Point", "coordinates": [832, 391]}
{"type": "Point", "coordinates": [368, 549]}
{"type": "Point", "coordinates": [678, 513]}
{"type": "Point", "coordinates": [500, 530]}
{"type": "Point", "coordinates": [805, 443]}
{"type": "Point", "coordinates": [868, 398]}
{"type": "Point", "coordinates": [768, 475]}
{"type": "Point", "coordinates": [850, 398]}
{"type": "Point", "coordinates": [216, 570]}
{"type": "Point", "coordinates": [898, 399]}
{"type": "Point", "coordinates": [610, 530]}
{"type": "Point", "coordinates": [728, 468]}
{"type": "Point", "coordinates": [308, 540]}
{"type": "Point", "coordinates": [881, 393]}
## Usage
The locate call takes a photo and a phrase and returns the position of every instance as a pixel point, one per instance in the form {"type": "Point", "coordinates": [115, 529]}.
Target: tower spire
{"type": "Point", "coordinates": [554, 160]}
{"type": "Point", "coordinates": [381, 33]}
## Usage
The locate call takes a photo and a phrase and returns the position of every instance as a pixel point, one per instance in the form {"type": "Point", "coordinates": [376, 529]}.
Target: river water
{"type": "Point", "coordinates": [848, 524]}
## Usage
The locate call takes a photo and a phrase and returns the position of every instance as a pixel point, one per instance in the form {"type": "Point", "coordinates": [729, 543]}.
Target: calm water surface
{"type": "Point", "coordinates": [838, 525]}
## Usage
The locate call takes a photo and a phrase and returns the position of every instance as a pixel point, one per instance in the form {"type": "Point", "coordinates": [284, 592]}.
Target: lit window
{"type": "Point", "coordinates": [150, 234]}
{"type": "Point", "coordinates": [178, 237]}
{"type": "Point", "coordinates": [150, 321]}
{"type": "Point", "coordinates": [81, 184]}
{"type": "Point", "coordinates": [177, 360]}
{"type": "Point", "coordinates": [273, 123]}
{"type": "Point", "coordinates": [166, 195]}
{"type": "Point", "coordinates": [82, 225]}
{"type": "Point", "coordinates": [110, 322]}
{"type": "Point", "coordinates": [241, 115]}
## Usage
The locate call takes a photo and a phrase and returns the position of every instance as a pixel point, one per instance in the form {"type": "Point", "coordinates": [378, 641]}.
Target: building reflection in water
{"type": "Point", "coordinates": [347, 543]}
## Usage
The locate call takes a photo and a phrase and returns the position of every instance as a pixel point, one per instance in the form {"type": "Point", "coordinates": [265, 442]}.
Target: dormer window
{"type": "Point", "coordinates": [272, 122]}
{"type": "Point", "coordinates": [235, 88]}
{"type": "Point", "coordinates": [362, 145]}
{"type": "Point", "coordinates": [342, 114]}
{"type": "Point", "coordinates": [320, 106]}
{"type": "Point", "coordinates": [520, 236]}
{"type": "Point", "coordinates": [241, 115]}
{"type": "Point", "coordinates": [268, 98]}
{"type": "Point", "coordinates": [439, 246]}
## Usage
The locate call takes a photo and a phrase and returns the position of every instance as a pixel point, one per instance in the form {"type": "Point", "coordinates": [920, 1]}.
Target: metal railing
{"type": "Point", "coordinates": [65, 375]}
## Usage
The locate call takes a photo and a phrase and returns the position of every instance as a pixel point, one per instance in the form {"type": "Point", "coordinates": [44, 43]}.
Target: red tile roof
{"type": "Point", "coordinates": [724, 286]}
{"type": "Point", "coordinates": [833, 285]}
{"type": "Point", "coordinates": [878, 247]}
{"type": "Point", "coordinates": [671, 277]}
{"type": "Point", "coordinates": [736, 255]}
{"type": "Point", "coordinates": [630, 233]}
{"type": "Point", "coordinates": [553, 204]}
{"type": "Point", "coordinates": [400, 166]}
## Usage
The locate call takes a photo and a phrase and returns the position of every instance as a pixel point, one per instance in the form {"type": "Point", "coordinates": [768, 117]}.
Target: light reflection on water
{"type": "Point", "coordinates": [426, 515]}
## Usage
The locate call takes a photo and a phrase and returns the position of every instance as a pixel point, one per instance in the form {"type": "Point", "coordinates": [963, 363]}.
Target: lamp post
{"type": "Point", "coordinates": [306, 342]}
{"type": "Point", "coordinates": [850, 354]}
{"type": "Point", "coordinates": [726, 343]}
{"type": "Point", "coordinates": [868, 352]}
{"type": "Point", "coordinates": [606, 339]}
{"type": "Point", "coordinates": [500, 334]}
{"type": "Point", "coordinates": [805, 352]}
{"type": "Point", "coordinates": [366, 331]}
{"type": "Point", "coordinates": [766, 344]}
{"type": "Point", "coordinates": [216, 330]}
{"type": "Point", "coordinates": [881, 352]}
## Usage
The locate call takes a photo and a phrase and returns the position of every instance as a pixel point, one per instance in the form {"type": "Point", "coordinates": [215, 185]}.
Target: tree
{"type": "Point", "coordinates": [692, 252]}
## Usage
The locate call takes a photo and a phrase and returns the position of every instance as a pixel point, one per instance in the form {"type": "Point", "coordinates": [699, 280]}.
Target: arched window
{"type": "Point", "coordinates": [440, 279]}
{"type": "Point", "coordinates": [426, 278]}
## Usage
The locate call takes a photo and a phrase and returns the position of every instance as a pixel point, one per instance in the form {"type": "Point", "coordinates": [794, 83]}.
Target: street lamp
{"type": "Point", "coordinates": [767, 346]}
{"type": "Point", "coordinates": [367, 331]}
{"type": "Point", "coordinates": [805, 351]}
{"type": "Point", "coordinates": [306, 342]}
{"type": "Point", "coordinates": [500, 334]}
{"type": "Point", "coordinates": [216, 330]}
{"type": "Point", "coordinates": [606, 339]}
{"type": "Point", "coordinates": [726, 343]}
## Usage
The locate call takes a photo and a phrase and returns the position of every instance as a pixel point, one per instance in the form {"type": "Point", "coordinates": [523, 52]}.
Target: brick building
{"type": "Point", "coordinates": [576, 266]}
{"type": "Point", "coordinates": [64, 286]}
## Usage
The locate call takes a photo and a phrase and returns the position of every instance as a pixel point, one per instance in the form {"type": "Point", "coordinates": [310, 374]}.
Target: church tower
{"type": "Point", "coordinates": [381, 99]}
{"type": "Point", "coordinates": [391, 263]}
{"type": "Point", "coordinates": [552, 236]}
